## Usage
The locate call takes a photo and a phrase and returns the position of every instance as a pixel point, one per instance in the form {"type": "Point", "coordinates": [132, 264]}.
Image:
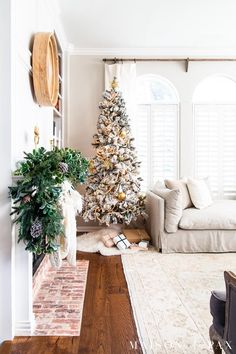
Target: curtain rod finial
{"type": "Point", "coordinates": [186, 64]}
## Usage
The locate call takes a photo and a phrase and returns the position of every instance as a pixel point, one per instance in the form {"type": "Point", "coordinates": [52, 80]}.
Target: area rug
{"type": "Point", "coordinates": [170, 298]}
{"type": "Point", "coordinates": [92, 242]}
{"type": "Point", "coordinates": [58, 304]}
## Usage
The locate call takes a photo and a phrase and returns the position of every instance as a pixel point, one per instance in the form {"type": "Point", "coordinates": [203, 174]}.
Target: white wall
{"type": "Point", "coordinates": [19, 113]}
{"type": "Point", "coordinates": [150, 24]}
{"type": "Point", "coordinates": [85, 86]}
{"type": "Point", "coordinates": [6, 257]}
{"type": "Point", "coordinates": [31, 16]}
{"type": "Point", "coordinates": [86, 83]}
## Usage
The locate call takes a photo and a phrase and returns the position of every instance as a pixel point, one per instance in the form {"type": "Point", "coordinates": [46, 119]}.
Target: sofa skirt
{"type": "Point", "coordinates": [193, 241]}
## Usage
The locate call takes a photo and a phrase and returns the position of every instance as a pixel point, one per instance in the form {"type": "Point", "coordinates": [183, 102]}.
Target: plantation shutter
{"type": "Point", "coordinates": [156, 134]}
{"type": "Point", "coordinates": [215, 147]}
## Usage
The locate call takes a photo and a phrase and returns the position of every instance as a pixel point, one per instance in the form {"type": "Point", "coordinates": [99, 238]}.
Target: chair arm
{"type": "Point", "coordinates": [230, 310]}
{"type": "Point", "coordinates": [156, 216]}
{"type": "Point", "coordinates": [217, 309]}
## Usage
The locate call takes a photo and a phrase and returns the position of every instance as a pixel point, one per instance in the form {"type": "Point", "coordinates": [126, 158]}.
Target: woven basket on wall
{"type": "Point", "coordinates": [45, 69]}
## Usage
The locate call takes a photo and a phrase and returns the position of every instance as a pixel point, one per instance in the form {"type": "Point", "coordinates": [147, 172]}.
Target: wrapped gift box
{"type": "Point", "coordinates": [108, 237]}
{"type": "Point", "coordinates": [108, 241]}
{"type": "Point", "coordinates": [136, 235]}
{"type": "Point", "coordinates": [121, 242]}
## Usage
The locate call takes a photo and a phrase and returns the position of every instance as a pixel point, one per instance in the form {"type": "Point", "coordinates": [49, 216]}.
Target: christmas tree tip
{"type": "Point", "coordinates": [114, 83]}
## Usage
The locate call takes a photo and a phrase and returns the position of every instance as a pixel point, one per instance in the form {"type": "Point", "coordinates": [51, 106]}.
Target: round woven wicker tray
{"type": "Point", "coordinates": [45, 69]}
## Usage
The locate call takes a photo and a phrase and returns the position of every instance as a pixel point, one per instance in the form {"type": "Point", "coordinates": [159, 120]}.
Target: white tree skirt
{"type": "Point", "coordinates": [92, 242]}
{"type": "Point", "coordinates": [170, 296]}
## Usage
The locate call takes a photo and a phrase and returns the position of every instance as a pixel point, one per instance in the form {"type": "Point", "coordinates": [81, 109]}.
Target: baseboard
{"type": "Point", "coordinates": [89, 228]}
{"type": "Point", "coordinates": [24, 328]}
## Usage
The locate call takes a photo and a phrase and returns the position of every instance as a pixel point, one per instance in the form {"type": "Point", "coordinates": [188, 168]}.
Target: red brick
{"type": "Point", "coordinates": [59, 301]}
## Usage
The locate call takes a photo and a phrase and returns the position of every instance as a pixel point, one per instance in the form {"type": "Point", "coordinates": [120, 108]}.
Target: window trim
{"type": "Point", "coordinates": [158, 78]}
{"type": "Point", "coordinates": [219, 75]}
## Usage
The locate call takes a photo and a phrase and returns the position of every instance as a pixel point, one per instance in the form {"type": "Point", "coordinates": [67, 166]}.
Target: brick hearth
{"type": "Point", "coordinates": [58, 303]}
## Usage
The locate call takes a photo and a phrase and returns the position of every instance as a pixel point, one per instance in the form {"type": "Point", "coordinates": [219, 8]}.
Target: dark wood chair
{"type": "Point", "coordinates": [223, 309]}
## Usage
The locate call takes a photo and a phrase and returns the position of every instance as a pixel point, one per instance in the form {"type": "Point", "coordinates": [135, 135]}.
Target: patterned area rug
{"type": "Point", "coordinates": [170, 298]}
{"type": "Point", "coordinates": [58, 305]}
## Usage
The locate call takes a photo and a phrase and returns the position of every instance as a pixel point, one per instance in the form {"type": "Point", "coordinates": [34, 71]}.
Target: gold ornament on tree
{"type": "Point", "coordinates": [121, 196]}
{"type": "Point", "coordinates": [123, 134]}
{"type": "Point", "coordinates": [92, 168]}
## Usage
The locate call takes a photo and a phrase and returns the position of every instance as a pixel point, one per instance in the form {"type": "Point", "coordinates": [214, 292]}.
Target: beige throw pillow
{"type": "Point", "coordinates": [199, 193]}
{"type": "Point", "coordinates": [182, 186]}
{"type": "Point", "coordinates": [173, 207]}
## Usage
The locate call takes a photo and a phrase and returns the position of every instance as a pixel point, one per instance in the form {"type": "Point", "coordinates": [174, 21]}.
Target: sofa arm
{"type": "Point", "coordinates": [156, 216]}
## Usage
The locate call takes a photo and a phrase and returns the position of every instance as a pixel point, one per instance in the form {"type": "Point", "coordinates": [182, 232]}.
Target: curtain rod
{"type": "Point", "coordinates": [186, 60]}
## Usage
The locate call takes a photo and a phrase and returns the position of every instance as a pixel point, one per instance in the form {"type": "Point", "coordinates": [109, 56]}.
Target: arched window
{"type": "Point", "coordinates": [156, 128]}
{"type": "Point", "coordinates": [214, 107]}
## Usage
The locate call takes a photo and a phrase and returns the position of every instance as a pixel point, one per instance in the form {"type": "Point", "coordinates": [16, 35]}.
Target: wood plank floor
{"type": "Point", "coordinates": [108, 326]}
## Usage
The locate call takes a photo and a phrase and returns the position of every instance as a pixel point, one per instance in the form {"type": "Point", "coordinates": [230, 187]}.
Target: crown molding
{"type": "Point", "coordinates": [159, 51]}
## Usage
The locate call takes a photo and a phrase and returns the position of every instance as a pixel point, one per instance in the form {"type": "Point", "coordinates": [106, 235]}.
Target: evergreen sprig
{"type": "Point", "coordinates": [36, 195]}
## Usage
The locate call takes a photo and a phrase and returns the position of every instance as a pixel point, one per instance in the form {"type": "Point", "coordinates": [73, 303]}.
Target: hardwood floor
{"type": "Point", "coordinates": [41, 345]}
{"type": "Point", "coordinates": [108, 326]}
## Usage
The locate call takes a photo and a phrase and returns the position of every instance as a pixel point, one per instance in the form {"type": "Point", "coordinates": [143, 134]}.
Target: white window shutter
{"type": "Point", "coordinates": [156, 133]}
{"type": "Point", "coordinates": [215, 147]}
{"type": "Point", "coordinates": [164, 142]}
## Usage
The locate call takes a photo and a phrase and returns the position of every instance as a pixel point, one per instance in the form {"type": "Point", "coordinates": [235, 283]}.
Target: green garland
{"type": "Point", "coordinates": [36, 195]}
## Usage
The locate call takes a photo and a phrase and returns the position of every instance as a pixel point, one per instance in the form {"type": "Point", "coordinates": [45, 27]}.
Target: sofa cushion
{"type": "Point", "coordinates": [158, 185]}
{"type": "Point", "coordinates": [221, 215]}
{"type": "Point", "coordinates": [217, 308]}
{"type": "Point", "coordinates": [199, 193]}
{"type": "Point", "coordinates": [182, 186]}
{"type": "Point", "coordinates": [173, 207]}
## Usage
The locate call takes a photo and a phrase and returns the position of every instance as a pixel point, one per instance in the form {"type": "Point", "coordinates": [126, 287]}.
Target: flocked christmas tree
{"type": "Point", "coordinates": [113, 185]}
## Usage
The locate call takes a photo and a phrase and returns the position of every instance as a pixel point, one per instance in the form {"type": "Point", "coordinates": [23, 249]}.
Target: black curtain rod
{"type": "Point", "coordinates": [168, 59]}
{"type": "Point", "coordinates": [186, 60]}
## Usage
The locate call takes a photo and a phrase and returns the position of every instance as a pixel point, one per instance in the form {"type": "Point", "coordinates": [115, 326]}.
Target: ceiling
{"type": "Point", "coordinates": [149, 23]}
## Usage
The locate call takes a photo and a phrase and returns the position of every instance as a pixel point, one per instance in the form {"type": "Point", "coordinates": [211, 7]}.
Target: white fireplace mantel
{"type": "Point", "coordinates": [24, 317]}
{"type": "Point", "coordinates": [23, 289]}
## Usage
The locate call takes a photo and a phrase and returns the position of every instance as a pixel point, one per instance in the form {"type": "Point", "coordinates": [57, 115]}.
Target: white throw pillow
{"type": "Point", "coordinates": [199, 193]}
{"type": "Point", "coordinates": [158, 185]}
{"type": "Point", "coordinates": [173, 207]}
{"type": "Point", "coordinates": [182, 186]}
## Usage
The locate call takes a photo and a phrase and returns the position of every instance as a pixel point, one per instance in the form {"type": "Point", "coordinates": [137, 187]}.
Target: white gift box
{"type": "Point", "coordinates": [121, 242]}
{"type": "Point", "coordinates": [143, 244]}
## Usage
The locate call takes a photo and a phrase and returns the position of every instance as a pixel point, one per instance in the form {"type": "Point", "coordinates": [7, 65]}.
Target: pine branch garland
{"type": "Point", "coordinates": [36, 195]}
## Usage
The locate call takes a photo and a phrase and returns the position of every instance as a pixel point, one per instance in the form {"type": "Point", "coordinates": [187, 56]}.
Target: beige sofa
{"type": "Point", "coordinates": [212, 229]}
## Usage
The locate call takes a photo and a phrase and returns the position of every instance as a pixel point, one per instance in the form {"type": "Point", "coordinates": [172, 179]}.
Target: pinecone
{"type": "Point", "coordinates": [36, 228]}
{"type": "Point", "coordinates": [63, 167]}
{"type": "Point", "coordinates": [26, 199]}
